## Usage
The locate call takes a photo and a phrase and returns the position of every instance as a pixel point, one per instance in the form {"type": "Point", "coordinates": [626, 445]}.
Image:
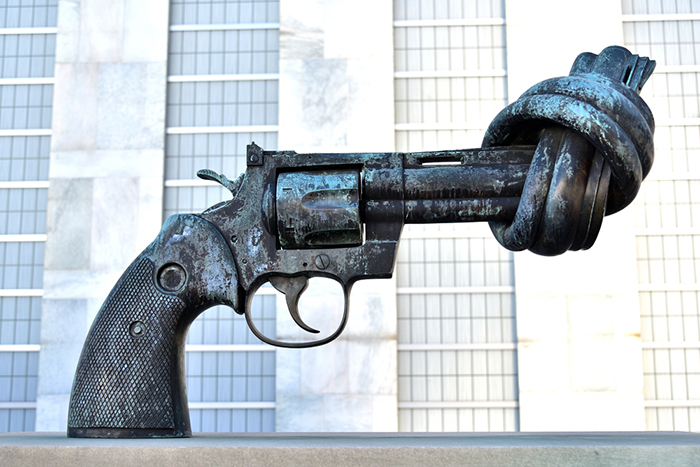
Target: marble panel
{"type": "Point", "coordinates": [314, 105]}
{"type": "Point", "coordinates": [341, 21]}
{"type": "Point", "coordinates": [150, 211]}
{"type": "Point", "coordinates": [68, 37]}
{"type": "Point", "coordinates": [52, 412]}
{"type": "Point", "coordinates": [325, 102]}
{"type": "Point", "coordinates": [288, 372]}
{"type": "Point", "coordinates": [371, 105]}
{"type": "Point", "coordinates": [67, 284]}
{"type": "Point", "coordinates": [324, 370]}
{"type": "Point", "coordinates": [145, 22]}
{"type": "Point", "coordinates": [372, 310]}
{"type": "Point", "coordinates": [68, 224]}
{"type": "Point", "coordinates": [301, 29]}
{"type": "Point", "coordinates": [303, 413]}
{"type": "Point", "coordinates": [385, 416]}
{"type": "Point", "coordinates": [131, 108]}
{"type": "Point", "coordinates": [75, 97]}
{"type": "Point", "coordinates": [535, 39]}
{"type": "Point", "coordinates": [543, 367]}
{"type": "Point", "coordinates": [582, 411]}
{"type": "Point", "coordinates": [540, 317]}
{"type": "Point", "coordinates": [348, 412]}
{"type": "Point", "coordinates": [101, 31]}
{"type": "Point", "coordinates": [114, 223]}
{"type": "Point", "coordinates": [63, 328]}
{"type": "Point", "coordinates": [372, 367]}
{"type": "Point", "coordinates": [146, 164]}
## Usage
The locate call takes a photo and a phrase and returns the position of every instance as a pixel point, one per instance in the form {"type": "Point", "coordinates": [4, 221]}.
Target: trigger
{"type": "Point", "coordinates": [292, 288]}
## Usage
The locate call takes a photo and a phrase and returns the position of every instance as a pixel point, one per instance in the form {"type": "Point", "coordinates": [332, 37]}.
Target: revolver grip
{"type": "Point", "coordinates": [130, 379]}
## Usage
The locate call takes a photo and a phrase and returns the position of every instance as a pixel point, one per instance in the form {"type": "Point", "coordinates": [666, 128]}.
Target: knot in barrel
{"type": "Point", "coordinates": [594, 137]}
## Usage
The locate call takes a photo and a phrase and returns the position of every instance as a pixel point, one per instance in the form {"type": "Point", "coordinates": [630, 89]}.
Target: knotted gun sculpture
{"type": "Point", "coordinates": [566, 153]}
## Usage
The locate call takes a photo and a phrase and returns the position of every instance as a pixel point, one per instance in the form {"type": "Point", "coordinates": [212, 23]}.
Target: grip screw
{"type": "Point", "coordinates": [137, 329]}
{"type": "Point", "coordinates": [322, 261]}
{"type": "Point", "coordinates": [171, 277]}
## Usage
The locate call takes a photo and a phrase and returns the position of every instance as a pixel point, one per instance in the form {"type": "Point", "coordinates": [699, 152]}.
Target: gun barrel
{"type": "Point", "coordinates": [465, 186]}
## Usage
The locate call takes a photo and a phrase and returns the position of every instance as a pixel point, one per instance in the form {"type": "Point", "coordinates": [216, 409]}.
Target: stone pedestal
{"type": "Point", "coordinates": [344, 449]}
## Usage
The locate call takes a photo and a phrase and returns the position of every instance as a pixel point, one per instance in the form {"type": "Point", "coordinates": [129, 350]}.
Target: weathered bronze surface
{"type": "Point", "coordinates": [552, 165]}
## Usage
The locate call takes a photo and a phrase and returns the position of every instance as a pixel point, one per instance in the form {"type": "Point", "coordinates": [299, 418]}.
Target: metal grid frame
{"type": "Point", "coordinates": [427, 10]}
{"type": "Point", "coordinates": [222, 94]}
{"type": "Point", "coordinates": [22, 211]}
{"type": "Point", "coordinates": [27, 55]}
{"type": "Point", "coordinates": [217, 151]}
{"type": "Point", "coordinates": [27, 50]}
{"type": "Point", "coordinates": [26, 106]}
{"type": "Point", "coordinates": [224, 52]}
{"type": "Point", "coordinates": [20, 320]}
{"type": "Point", "coordinates": [228, 12]}
{"type": "Point", "coordinates": [29, 14]}
{"type": "Point", "coordinates": [450, 77]}
{"type": "Point", "coordinates": [668, 247]}
{"type": "Point", "coordinates": [24, 158]}
{"type": "Point", "coordinates": [222, 103]}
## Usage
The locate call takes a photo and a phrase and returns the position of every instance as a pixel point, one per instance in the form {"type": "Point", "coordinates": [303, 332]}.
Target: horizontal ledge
{"type": "Point", "coordinates": [222, 27]}
{"type": "Point", "coordinates": [21, 292]}
{"type": "Point", "coordinates": [678, 122]}
{"type": "Point", "coordinates": [209, 78]}
{"type": "Point", "coordinates": [460, 405]}
{"type": "Point", "coordinates": [438, 126]}
{"type": "Point", "coordinates": [20, 348]}
{"type": "Point", "coordinates": [25, 81]}
{"type": "Point", "coordinates": [455, 290]}
{"type": "Point", "coordinates": [6, 31]}
{"type": "Point", "coordinates": [473, 346]}
{"type": "Point", "coordinates": [670, 345]}
{"type": "Point", "coordinates": [672, 176]}
{"type": "Point", "coordinates": [184, 130]}
{"type": "Point", "coordinates": [694, 287]}
{"type": "Point", "coordinates": [20, 185]}
{"type": "Point", "coordinates": [17, 405]}
{"type": "Point", "coordinates": [671, 404]}
{"type": "Point", "coordinates": [666, 231]}
{"type": "Point", "coordinates": [408, 23]}
{"type": "Point", "coordinates": [677, 69]}
{"type": "Point", "coordinates": [231, 405]}
{"type": "Point", "coordinates": [29, 132]}
{"type": "Point", "coordinates": [190, 183]}
{"type": "Point", "coordinates": [19, 238]}
{"type": "Point", "coordinates": [229, 348]}
{"type": "Point", "coordinates": [451, 74]}
{"type": "Point", "coordinates": [661, 17]}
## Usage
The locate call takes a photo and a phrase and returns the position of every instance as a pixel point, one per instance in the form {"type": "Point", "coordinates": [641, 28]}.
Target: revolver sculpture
{"type": "Point", "coordinates": [552, 164]}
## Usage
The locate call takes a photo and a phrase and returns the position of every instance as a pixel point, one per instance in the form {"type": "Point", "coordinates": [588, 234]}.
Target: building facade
{"type": "Point", "coordinates": [108, 109]}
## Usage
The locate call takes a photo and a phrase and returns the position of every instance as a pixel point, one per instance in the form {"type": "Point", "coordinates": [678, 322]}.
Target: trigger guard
{"type": "Point", "coordinates": [297, 345]}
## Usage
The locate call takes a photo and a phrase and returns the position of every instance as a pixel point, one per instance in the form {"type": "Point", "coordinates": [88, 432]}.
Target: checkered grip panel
{"type": "Point", "coordinates": [124, 381]}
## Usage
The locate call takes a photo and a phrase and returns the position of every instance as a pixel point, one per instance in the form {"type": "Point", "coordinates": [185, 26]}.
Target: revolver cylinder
{"type": "Point", "coordinates": [319, 209]}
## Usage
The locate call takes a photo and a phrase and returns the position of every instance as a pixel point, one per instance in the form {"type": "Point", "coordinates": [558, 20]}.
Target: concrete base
{"type": "Point", "coordinates": [636, 449]}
